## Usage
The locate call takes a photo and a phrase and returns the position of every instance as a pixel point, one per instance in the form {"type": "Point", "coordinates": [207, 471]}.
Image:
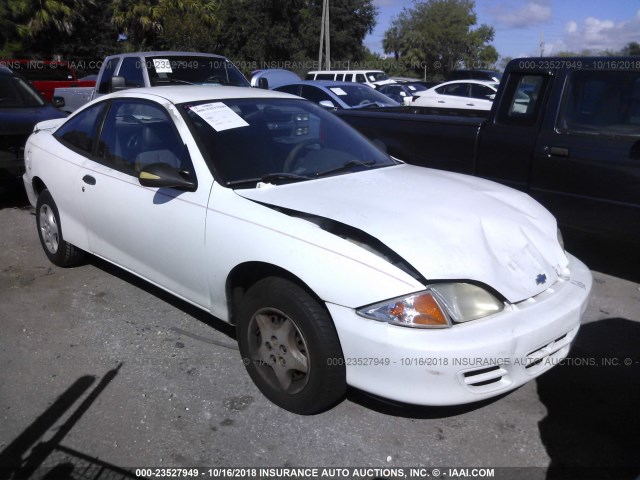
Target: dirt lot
{"type": "Point", "coordinates": [100, 370]}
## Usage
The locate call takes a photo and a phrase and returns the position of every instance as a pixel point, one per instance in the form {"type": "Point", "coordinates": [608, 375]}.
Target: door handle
{"type": "Point", "coordinates": [557, 151]}
{"type": "Point", "coordinates": [471, 104]}
{"type": "Point", "coordinates": [89, 180]}
{"type": "Point", "coordinates": [440, 101]}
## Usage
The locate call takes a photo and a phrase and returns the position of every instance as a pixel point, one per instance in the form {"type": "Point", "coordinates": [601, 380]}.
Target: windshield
{"type": "Point", "coordinates": [194, 70]}
{"type": "Point", "coordinates": [357, 95]}
{"type": "Point", "coordinates": [248, 141]}
{"type": "Point", "coordinates": [377, 76]}
{"type": "Point", "coordinates": [15, 92]}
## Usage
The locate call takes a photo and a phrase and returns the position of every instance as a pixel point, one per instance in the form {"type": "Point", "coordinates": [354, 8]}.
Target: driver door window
{"type": "Point", "coordinates": [136, 134]}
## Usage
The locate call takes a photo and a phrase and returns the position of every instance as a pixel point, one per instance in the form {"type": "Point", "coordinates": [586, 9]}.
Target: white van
{"type": "Point", "coordinates": [369, 77]}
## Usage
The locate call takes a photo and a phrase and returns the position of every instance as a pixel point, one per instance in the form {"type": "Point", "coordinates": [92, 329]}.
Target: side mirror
{"type": "Point", "coordinates": [327, 104]}
{"type": "Point", "coordinates": [263, 83]}
{"type": "Point", "coordinates": [58, 102]}
{"type": "Point", "coordinates": [118, 83]}
{"type": "Point", "coordinates": [158, 175]}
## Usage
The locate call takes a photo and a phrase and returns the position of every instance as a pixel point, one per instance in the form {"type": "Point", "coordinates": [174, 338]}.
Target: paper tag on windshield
{"type": "Point", "coordinates": [219, 116]}
{"type": "Point", "coordinates": [162, 65]}
{"type": "Point", "coordinates": [338, 91]}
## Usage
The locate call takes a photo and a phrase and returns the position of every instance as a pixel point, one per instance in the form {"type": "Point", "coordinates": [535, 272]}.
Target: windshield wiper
{"type": "Point", "coordinates": [346, 166]}
{"type": "Point", "coordinates": [270, 178]}
{"type": "Point", "coordinates": [175, 80]}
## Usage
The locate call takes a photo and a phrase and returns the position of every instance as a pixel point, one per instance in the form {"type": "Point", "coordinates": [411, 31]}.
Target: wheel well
{"type": "Point", "coordinates": [38, 185]}
{"type": "Point", "coordinates": [243, 276]}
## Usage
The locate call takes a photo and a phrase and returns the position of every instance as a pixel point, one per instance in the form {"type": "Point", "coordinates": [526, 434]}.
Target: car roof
{"type": "Point", "coordinates": [325, 83]}
{"type": "Point", "coordinates": [488, 83]}
{"type": "Point", "coordinates": [165, 53]}
{"type": "Point", "coordinates": [197, 93]}
{"type": "Point", "coordinates": [347, 71]}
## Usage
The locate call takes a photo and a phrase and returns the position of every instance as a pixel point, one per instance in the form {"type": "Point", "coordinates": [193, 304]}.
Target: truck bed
{"type": "Point", "coordinates": [437, 138]}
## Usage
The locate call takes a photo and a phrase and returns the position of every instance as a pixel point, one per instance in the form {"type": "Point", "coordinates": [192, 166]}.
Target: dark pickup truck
{"type": "Point", "coordinates": [564, 130]}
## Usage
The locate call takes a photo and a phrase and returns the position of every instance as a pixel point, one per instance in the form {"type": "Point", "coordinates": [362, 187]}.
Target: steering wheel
{"type": "Point", "coordinates": [295, 152]}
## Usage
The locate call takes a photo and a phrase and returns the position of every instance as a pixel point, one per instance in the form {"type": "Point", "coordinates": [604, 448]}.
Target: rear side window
{"type": "Point", "coordinates": [314, 94]}
{"type": "Point", "coordinates": [79, 132]}
{"type": "Point", "coordinates": [482, 91]}
{"type": "Point", "coordinates": [522, 99]}
{"type": "Point", "coordinates": [456, 89]}
{"type": "Point", "coordinates": [324, 76]}
{"type": "Point", "coordinates": [292, 89]}
{"type": "Point", "coordinates": [601, 102]}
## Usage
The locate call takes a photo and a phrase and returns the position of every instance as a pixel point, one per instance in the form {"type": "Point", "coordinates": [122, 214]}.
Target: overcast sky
{"type": "Point", "coordinates": [520, 25]}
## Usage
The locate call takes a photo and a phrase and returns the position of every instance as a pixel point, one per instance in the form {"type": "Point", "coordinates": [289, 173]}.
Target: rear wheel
{"type": "Point", "coordinates": [58, 251]}
{"type": "Point", "coordinates": [290, 347]}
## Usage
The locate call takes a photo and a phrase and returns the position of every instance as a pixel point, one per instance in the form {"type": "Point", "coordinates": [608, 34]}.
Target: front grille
{"type": "Point", "coordinates": [486, 379]}
{"type": "Point", "coordinates": [549, 354]}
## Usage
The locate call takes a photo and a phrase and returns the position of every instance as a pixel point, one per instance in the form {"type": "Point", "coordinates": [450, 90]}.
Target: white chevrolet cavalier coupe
{"type": "Point", "coordinates": [337, 264]}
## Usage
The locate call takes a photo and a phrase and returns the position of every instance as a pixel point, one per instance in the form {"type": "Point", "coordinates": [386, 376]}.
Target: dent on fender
{"type": "Point", "coordinates": [355, 236]}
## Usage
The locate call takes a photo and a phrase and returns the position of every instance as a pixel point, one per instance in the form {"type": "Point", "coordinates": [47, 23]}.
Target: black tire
{"type": "Point", "coordinates": [299, 333]}
{"type": "Point", "coordinates": [58, 251]}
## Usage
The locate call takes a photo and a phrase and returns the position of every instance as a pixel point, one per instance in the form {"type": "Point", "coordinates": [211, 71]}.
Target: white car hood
{"type": "Point", "coordinates": [446, 225]}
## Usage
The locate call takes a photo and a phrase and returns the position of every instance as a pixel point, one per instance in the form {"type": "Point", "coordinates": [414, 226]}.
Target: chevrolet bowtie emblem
{"type": "Point", "coordinates": [541, 279]}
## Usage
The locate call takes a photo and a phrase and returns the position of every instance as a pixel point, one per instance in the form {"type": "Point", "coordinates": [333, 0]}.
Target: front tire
{"type": "Point", "coordinates": [59, 252]}
{"type": "Point", "coordinates": [290, 347]}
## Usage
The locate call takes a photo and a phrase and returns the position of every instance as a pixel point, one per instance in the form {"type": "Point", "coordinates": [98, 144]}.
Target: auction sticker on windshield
{"type": "Point", "coordinates": [338, 91]}
{"type": "Point", "coordinates": [219, 116]}
{"type": "Point", "coordinates": [162, 65]}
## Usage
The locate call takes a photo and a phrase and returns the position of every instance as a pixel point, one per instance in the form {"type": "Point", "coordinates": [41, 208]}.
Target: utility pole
{"type": "Point", "coordinates": [325, 37]}
{"type": "Point", "coordinates": [542, 43]}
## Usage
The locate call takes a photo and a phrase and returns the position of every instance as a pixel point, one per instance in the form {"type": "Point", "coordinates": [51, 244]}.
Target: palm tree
{"type": "Point", "coordinates": [37, 16]}
{"type": "Point", "coordinates": [154, 23]}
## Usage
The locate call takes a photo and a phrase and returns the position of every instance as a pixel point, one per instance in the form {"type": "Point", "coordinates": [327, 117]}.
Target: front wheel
{"type": "Point", "coordinates": [58, 251]}
{"type": "Point", "coordinates": [290, 347]}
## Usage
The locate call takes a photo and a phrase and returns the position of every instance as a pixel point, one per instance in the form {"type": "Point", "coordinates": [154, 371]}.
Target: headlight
{"type": "Point", "coordinates": [440, 306]}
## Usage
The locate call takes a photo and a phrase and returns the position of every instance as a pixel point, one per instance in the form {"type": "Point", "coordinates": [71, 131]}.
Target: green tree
{"type": "Point", "coordinates": [137, 21]}
{"type": "Point", "coordinates": [437, 36]}
{"type": "Point", "coordinates": [92, 40]}
{"type": "Point", "coordinates": [632, 49]}
{"type": "Point", "coordinates": [274, 32]}
{"type": "Point", "coordinates": [165, 24]}
{"type": "Point", "coordinates": [187, 25]}
{"type": "Point", "coordinates": [38, 26]}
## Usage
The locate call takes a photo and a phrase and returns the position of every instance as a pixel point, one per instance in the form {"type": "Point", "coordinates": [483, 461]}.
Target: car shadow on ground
{"type": "Point", "coordinates": [191, 310]}
{"type": "Point", "coordinates": [593, 399]}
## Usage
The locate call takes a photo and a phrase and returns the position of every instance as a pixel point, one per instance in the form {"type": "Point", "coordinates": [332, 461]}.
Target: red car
{"type": "Point", "coordinates": [47, 75]}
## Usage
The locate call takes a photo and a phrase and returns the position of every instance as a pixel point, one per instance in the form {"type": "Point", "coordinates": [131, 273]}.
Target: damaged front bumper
{"type": "Point", "coordinates": [467, 362]}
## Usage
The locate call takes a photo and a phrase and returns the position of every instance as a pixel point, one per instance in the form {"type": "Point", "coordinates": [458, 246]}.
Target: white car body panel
{"type": "Point", "coordinates": [433, 205]}
{"type": "Point", "coordinates": [445, 225]}
{"type": "Point", "coordinates": [431, 98]}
